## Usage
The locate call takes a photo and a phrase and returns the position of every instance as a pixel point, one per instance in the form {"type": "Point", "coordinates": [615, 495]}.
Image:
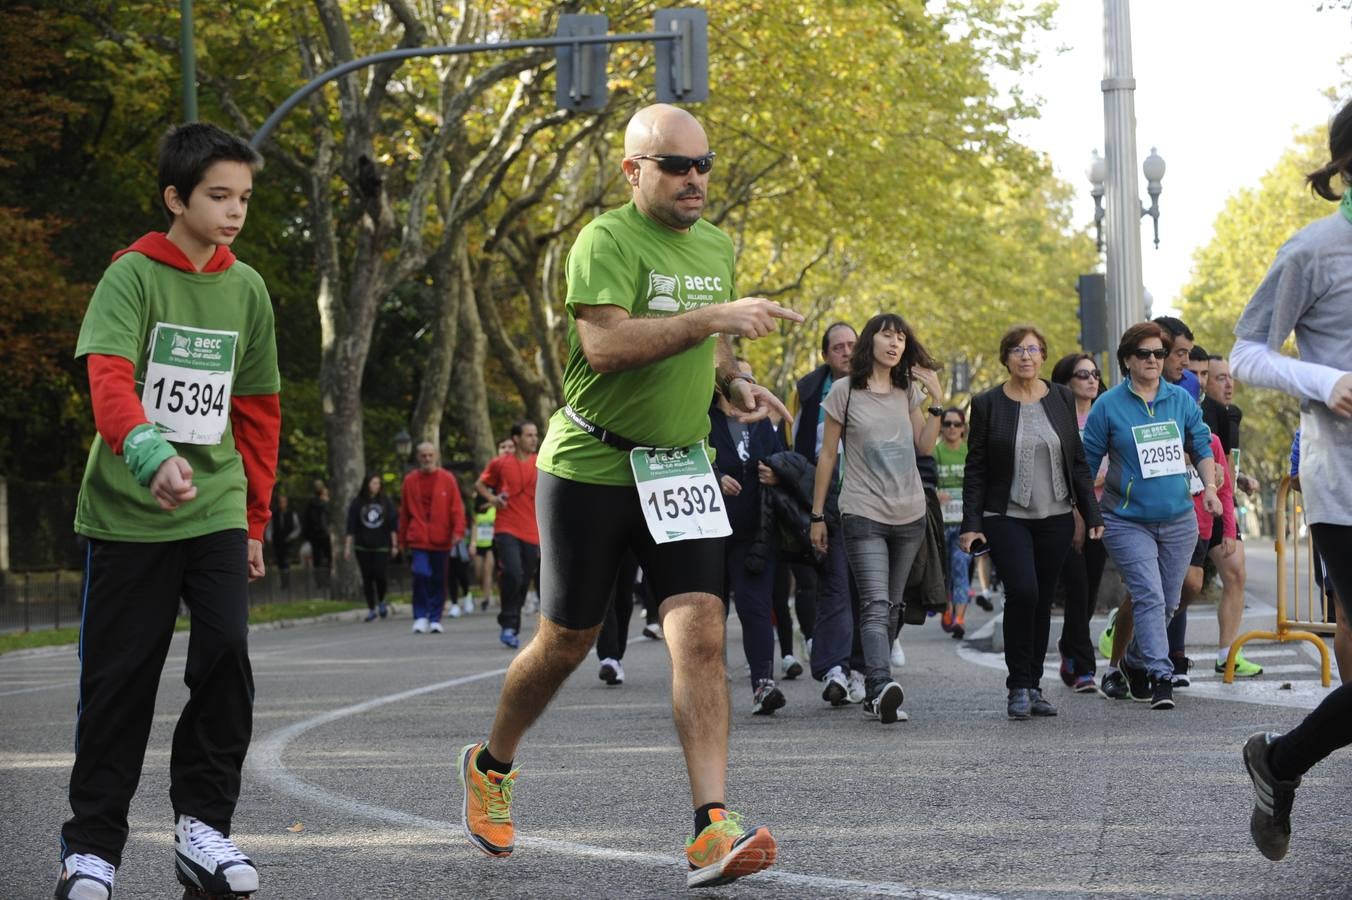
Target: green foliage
{"type": "Point", "coordinates": [1255, 222]}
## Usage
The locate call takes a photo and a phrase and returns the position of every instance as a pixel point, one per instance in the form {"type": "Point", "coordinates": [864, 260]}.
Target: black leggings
{"type": "Point", "coordinates": [373, 583]}
{"type": "Point", "coordinates": [1329, 726]}
{"type": "Point", "coordinates": [1081, 575]}
{"type": "Point", "coordinates": [614, 636]}
{"type": "Point", "coordinates": [1029, 554]}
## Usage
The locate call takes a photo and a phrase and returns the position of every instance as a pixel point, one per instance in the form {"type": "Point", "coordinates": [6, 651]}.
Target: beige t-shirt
{"type": "Point", "coordinates": [880, 479]}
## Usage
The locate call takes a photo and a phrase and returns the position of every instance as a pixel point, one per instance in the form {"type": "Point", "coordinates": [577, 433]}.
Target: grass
{"type": "Point", "coordinates": [271, 612]}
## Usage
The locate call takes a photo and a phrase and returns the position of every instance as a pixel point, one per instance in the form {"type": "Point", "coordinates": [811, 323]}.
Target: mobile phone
{"type": "Point", "coordinates": [980, 547]}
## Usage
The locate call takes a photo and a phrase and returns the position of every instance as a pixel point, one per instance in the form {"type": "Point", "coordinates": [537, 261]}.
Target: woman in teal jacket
{"type": "Point", "coordinates": [1148, 429]}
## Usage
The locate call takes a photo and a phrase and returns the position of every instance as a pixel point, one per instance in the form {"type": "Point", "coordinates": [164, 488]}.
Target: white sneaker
{"type": "Point", "coordinates": [856, 691]}
{"type": "Point", "coordinates": [467, 604]}
{"type": "Point", "coordinates": [837, 689]}
{"type": "Point", "coordinates": [85, 876]}
{"type": "Point", "coordinates": [790, 667]}
{"type": "Point", "coordinates": [898, 654]}
{"type": "Point", "coordinates": [435, 627]}
{"type": "Point", "coordinates": [532, 604]}
{"type": "Point", "coordinates": [612, 672]}
{"type": "Point", "coordinates": [653, 632]}
{"type": "Point", "coordinates": [453, 611]}
{"type": "Point", "coordinates": [210, 860]}
{"type": "Point", "coordinates": [420, 625]}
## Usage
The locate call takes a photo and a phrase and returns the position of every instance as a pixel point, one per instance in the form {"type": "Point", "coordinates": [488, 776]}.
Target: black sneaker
{"type": "Point", "coordinates": [1138, 683]}
{"type": "Point", "coordinates": [1114, 686]}
{"type": "Point", "coordinates": [1161, 693]}
{"type": "Point", "coordinates": [767, 699]}
{"type": "Point", "coordinates": [1039, 705]}
{"type": "Point", "coordinates": [983, 600]}
{"type": "Point", "coordinates": [1020, 705]}
{"type": "Point", "coordinates": [1270, 824]}
{"type": "Point", "coordinates": [888, 704]}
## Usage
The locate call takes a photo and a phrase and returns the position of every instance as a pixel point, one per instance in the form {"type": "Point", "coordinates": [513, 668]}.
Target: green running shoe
{"type": "Point", "coordinates": [1243, 668]}
{"type": "Point", "coordinates": [1105, 641]}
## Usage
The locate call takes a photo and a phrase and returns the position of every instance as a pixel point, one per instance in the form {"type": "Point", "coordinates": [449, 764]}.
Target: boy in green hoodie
{"type": "Point", "coordinates": [182, 357]}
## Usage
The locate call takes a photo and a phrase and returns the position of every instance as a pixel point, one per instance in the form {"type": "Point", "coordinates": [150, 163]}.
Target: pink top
{"type": "Point", "coordinates": [1205, 522]}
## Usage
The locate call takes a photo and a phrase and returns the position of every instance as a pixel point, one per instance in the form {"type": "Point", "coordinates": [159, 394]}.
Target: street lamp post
{"type": "Point", "coordinates": [403, 449]}
{"type": "Point", "coordinates": [1113, 177]}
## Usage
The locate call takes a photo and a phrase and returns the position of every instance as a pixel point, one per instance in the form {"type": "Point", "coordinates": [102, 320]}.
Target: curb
{"type": "Point", "coordinates": [347, 615]}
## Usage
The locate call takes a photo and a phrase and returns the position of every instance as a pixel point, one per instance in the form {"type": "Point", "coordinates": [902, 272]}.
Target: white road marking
{"type": "Point", "coordinates": [265, 763]}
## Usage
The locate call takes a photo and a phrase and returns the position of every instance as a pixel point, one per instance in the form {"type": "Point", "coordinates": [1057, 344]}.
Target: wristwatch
{"type": "Point", "coordinates": [936, 410]}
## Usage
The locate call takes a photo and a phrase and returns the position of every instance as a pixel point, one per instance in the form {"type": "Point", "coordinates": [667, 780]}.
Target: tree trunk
{"type": "Point", "coordinates": [469, 400]}
{"type": "Point", "coordinates": [436, 379]}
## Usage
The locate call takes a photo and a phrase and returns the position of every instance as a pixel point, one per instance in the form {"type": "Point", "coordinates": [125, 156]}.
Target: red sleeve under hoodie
{"type": "Point", "coordinates": [256, 421]}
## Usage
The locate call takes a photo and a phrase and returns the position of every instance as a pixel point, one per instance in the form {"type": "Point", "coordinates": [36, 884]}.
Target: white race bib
{"type": "Point", "coordinates": [1159, 448]}
{"type": "Point", "coordinates": [679, 495]}
{"type": "Point", "coordinates": [1195, 485]}
{"type": "Point", "coordinates": [187, 382]}
{"type": "Point", "coordinates": [483, 533]}
{"type": "Point", "coordinates": [953, 511]}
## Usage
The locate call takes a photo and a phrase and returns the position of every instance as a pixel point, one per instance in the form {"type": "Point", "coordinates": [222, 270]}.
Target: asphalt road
{"type": "Point", "coordinates": [350, 789]}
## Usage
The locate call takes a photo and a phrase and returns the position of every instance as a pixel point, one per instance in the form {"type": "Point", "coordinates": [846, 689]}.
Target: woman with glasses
{"type": "Point", "coordinates": [1147, 429]}
{"type": "Point", "coordinates": [950, 454]}
{"type": "Point", "coordinates": [1025, 474]}
{"type": "Point", "coordinates": [886, 423]}
{"type": "Point", "coordinates": [1083, 569]}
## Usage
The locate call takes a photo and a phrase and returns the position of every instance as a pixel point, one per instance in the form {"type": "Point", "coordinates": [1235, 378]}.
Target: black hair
{"type": "Point", "coordinates": [1065, 367]}
{"type": "Point", "coordinates": [826, 335]}
{"type": "Point", "coordinates": [1174, 326]}
{"type": "Point", "coordinates": [1340, 156]}
{"type": "Point", "coordinates": [1214, 358]}
{"type": "Point", "coordinates": [518, 427]}
{"type": "Point", "coordinates": [913, 354]}
{"type": "Point", "coordinates": [187, 151]}
{"type": "Point", "coordinates": [1198, 353]}
{"type": "Point", "coordinates": [362, 491]}
{"type": "Point", "coordinates": [955, 409]}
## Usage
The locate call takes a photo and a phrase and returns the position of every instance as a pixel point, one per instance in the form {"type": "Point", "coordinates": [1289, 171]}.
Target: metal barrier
{"type": "Point", "coordinates": [1296, 621]}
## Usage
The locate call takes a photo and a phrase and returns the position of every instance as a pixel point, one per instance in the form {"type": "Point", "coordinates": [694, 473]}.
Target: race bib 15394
{"type": "Point", "coordinates": [187, 382]}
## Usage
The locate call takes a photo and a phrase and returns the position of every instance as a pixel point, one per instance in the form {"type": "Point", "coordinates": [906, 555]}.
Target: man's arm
{"type": "Point", "coordinates": [614, 341]}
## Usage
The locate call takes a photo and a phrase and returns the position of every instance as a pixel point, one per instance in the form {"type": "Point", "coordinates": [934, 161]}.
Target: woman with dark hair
{"type": "Point", "coordinates": [1083, 569]}
{"type": "Point", "coordinates": [372, 530]}
{"type": "Point", "coordinates": [1308, 290]}
{"type": "Point", "coordinates": [1147, 428]}
{"type": "Point", "coordinates": [1025, 473]}
{"type": "Point", "coordinates": [950, 455]}
{"type": "Point", "coordinates": [881, 412]}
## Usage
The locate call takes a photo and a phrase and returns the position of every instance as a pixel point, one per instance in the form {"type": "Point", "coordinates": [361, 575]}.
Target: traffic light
{"type": "Point", "coordinates": [1093, 313]}
{"type": "Point", "coordinates": [683, 64]}
{"type": "Point", "coordinates": [580, 80]}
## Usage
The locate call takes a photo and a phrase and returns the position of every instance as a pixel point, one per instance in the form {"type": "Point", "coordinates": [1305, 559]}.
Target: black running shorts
{"type": "Point", "coordinates": [1200, 551]}
{"type": "Point", "coordinates": [585, 530]}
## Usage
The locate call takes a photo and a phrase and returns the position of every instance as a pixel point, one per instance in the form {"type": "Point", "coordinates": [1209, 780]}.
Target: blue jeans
{"type": "Point", "coordinates": [880, 559]}
{"type": "Point", "coordinates": [833, 630]}
{"type": "Point", "coordinates": [1153, 558]}
{"type": "Point", "coordinates": [959, 566]}
{"type": "Point", "coordinates": [429, 583]}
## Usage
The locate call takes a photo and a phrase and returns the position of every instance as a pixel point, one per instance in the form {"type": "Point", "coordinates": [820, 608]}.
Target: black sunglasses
{"type": "Point", "coordinates": [1142, 353]}
{"type": "Point", "coordinates": [952, 423]}
{"type": "Point", "coordinates": [675, 164]}
{"type": "Point", "coordinates": [1086, 374]}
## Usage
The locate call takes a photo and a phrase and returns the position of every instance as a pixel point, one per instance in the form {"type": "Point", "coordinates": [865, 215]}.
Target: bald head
{"type": "Point", "coordinates": [657, 128]}
{"type": "Point", "coordinates": [673, 199]}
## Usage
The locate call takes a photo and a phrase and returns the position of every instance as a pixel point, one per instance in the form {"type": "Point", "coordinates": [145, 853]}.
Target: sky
{"type": "Point", "coordinates": [1222, 87]}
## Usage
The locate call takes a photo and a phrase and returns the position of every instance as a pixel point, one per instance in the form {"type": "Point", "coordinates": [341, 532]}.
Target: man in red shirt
{"type": "Point", "coordinates": [431, 520]}
{"type": "Point", "coordinates": [508, 482]}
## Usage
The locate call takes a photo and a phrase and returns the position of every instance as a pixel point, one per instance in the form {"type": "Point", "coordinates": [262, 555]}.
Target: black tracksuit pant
{"type": "Point", "coordinates": [131, 597]}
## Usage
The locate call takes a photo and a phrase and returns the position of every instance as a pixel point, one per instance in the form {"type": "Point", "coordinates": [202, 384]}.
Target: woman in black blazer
{"type": "Point", "coordinates": [1025, 472]}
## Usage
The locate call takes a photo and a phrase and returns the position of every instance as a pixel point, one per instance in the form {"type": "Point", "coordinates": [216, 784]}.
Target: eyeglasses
{"type": "Point", "coordinates": [1027, 351]}
{"type": "Point", "coordinates": [1086, 374]}
{"type": "Point", "coordinates": [675, 164]}
{"type": "Point", "coordinates": [952, 423]}
{"type": "Point", "coordinates": [1142, 353]}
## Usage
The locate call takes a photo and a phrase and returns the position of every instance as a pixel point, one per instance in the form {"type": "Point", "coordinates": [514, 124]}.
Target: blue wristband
{"type": "Point", "coordinates": [145, 450]}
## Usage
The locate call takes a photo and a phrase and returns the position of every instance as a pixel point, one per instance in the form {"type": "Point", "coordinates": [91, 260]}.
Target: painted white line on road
{"type": "Point", "coordinates": [41, 687]}
{"type": "Point", "coordinates": [1302, 694]}
{"type": "Point", "coordinates": [265, 762]}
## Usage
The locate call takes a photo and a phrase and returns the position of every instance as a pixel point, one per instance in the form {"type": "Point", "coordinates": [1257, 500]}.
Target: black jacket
{"type": "Point", "coordinates": [786, 507]}
{"type": "Point", "coordinates": [809, 404]}
{"type": "Point", "coordinates": [993, 426]}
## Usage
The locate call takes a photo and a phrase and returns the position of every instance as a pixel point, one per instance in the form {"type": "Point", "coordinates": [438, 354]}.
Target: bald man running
{"type": "Point", "coordinates": [650, 306]}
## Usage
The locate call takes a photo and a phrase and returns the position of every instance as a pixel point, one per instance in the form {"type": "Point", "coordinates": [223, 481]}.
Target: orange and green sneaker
{"type": "Point", "coordinates": [487, 814]}
{"type": "Point", "coordinates": [724, 851]}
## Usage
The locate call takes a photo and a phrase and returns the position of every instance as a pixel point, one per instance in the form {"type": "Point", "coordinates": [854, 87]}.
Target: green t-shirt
{"type": "Point", "coordinates": [622, 258]}
{"type": "Point", "coordinates": [952, 463]}
{"type": "Point", "coordinates": [223, 309]}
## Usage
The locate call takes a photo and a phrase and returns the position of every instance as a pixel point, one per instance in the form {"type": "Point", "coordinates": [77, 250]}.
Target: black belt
{"type": "Point", "coordinates": [606, 437]}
